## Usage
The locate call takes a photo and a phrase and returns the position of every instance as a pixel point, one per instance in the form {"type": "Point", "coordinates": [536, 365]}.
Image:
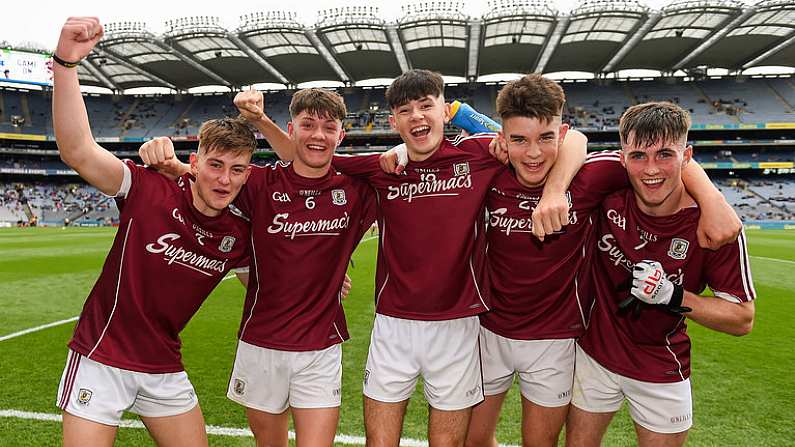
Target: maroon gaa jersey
{"type": "Point", "coordinates": [165, 260]}
{"type": "Point", "coordinates": [431, 263]}
{"type": "Point", "coordinates": [654, 346]}
{"type": "Point", "coordinates": [540, 289]}
{"type": "Point", "coordinates": [303, 232]}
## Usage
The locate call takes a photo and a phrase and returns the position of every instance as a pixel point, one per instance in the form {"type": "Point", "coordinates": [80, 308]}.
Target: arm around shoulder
{"type": "Point", "coordinates": [719, 223]}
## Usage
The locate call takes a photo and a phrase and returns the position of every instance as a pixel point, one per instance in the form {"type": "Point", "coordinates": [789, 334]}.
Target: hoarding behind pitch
{"type": "Point", "coordinates": [24, 67]}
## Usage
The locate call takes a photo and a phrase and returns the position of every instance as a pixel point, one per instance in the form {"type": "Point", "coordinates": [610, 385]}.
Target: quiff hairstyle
{"type": "Point", "coordinates": [531, 96]}
{"type": "Point", "coordinates": [413, 85]}
{"type": "Point", "coordinates": [653, 122]}
{"type": "Point", "coordinates": [226, 135]}
{"type": "Point", "coordinates": [317, 101]}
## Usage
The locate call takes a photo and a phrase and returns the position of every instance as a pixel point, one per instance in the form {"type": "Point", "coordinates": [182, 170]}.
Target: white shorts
{"type": "Point", "coordinates": [444, 353]}
{"type": "Point", "coordinates": [271, 380]}
{"type": "Point", "coordinates": [102, 393]}
{"type": "Point", "coordinates": [659, 407]}
{"type": "Point", "coordinates": [545, 367]}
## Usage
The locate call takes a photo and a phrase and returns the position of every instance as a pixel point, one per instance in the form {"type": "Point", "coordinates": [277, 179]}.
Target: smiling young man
{"type": "Point", "coordinates": [176, 241]}
{"type": "Point", "coordinates": [636, 346]}
{"type": "Point", "coordinates": [538, 297]}
{"type": "Point", "coordinates": [306, 221]}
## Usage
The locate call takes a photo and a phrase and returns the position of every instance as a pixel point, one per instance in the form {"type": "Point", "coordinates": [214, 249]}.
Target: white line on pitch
{"type": "Point", "coordinates": [211, 429]}
{"type": "Point", "coordinates": [368, 239]}
{"type": "Point", "coordinates": [774, 259]}
{"type": "Point", "coordinates": [37, 328]}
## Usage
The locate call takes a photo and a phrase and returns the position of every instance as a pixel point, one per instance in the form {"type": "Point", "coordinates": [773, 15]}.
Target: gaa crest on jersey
{"type": "Point", "coordinates": [226, 244]}
{"type": "Point", "coordinates": [239, 387]}
{"type": "Point", "coordinates": [84, 395]}
{"type": "Point", "coordinates": [338, 197]}
{"type": "Point", "coordinates": [678, 249]}
{"type": "Point", "coordinates": [460, 169]}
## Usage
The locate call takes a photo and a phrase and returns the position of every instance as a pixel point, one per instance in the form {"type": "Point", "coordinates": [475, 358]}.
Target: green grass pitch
{"type": "Point", "coordinates": [743, 387]}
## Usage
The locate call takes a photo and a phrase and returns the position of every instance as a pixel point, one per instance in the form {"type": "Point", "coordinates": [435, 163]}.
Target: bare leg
{"type": "Point", "coordinates": [541, 425]}
{"type": "Point", "coordinates": [448, 428]}
{"type": "Point", "coordinates": [78, 432]}
{"type": "Point", "coordinates": [648, 438]}
{"type": "Point", "coordinates": [270, 430]}
{"type": "Point", "coordinates": [315, 426]}
{"type": "Point", "coordinates": [383, 422]}
{"type": "Point", "coordinates": [586, 429]}
{"type": "Point", "coordinates": [483, 426]}
{"type": "Point", "coordinates": [182, 429]}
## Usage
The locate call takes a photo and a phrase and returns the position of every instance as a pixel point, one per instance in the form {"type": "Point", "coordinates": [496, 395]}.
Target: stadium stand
{"type": "Point", "coordinates": [746, 120]}
{"type": "Point", "coordinates": [592, 105]}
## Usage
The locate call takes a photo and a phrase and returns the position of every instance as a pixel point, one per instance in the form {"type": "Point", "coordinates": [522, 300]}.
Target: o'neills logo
{"type": "Point", "coordinates": [320, 227]}
{"type": "Point", "coordinates": [178, 255]}
{"type": "Point", "coordinates": [431, 188]}
{"type": "Point", "coordinates": [508, 225]}
{"type": "Point", "coordinates": [617, 257]}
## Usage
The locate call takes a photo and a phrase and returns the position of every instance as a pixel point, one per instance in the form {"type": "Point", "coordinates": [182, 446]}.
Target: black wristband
{"type": "Point", "coordinates": [676, 300]}
{"type": "Point", "coordinates": [64, 63]}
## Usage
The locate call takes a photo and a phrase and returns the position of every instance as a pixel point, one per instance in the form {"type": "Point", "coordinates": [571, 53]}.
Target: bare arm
{"type": "Point", "coordinates": [251, 104]}
{"type": "Point", "coordinates": [76, 144]}
{"type": "Point", "coordinates": [651, 285]}
{"type": "Point", "coordinates": [718, 224]}
{"type": "Point", "coordinates": [719, 314]}
{"type": "Point", "coordinates": [552, 211]}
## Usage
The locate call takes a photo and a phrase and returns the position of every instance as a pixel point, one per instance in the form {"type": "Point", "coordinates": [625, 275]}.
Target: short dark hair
{"type": "Point", "coordinates": [653, 122]}
{"type": "Point", "coordinates": [318, 101]}
{"type": "Point", "coordinates": [227, 134]}
{"type": "Point", "coordinates": [412, 85]}
{"type": "Point", "coordinates": [531, 96]}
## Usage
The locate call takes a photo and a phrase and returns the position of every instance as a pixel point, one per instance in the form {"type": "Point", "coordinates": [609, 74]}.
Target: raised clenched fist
{"type": "Point", "coordinates": [251, 104]}
{"type": "Point", "coordinates": [78, 37]}
{"type": "Point", "coordinates": [159, 154]}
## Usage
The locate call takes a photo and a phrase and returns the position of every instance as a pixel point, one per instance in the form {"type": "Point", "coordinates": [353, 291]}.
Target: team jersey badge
{"type": "Point", "coordinates": [338, 197]}
{"type": "Point", "coordinates": [678, 249]}
{"type": "Point", "coordinates": [84, 395]}
{"type": "Point", "coordinates": [460, 169]}
{"type": "Point", "coordinates": [226, 244]}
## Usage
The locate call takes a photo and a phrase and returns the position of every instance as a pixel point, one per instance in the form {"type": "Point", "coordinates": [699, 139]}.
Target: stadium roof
{"type": "Point", "coordinates": [354, 43]}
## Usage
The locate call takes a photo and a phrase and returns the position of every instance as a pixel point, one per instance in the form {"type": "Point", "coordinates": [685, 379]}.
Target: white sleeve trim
{"type": "Point", "coordinates": [126, 183]}
{"type": "Point", "coordinates": [727, 297]}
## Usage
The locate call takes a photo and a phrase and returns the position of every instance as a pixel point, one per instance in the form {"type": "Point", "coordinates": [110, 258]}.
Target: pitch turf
{"type": "Point", "coordinates": [743, 388]}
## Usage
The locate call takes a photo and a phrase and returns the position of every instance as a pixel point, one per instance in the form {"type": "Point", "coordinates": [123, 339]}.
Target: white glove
{"type": "Point", "coordinates": [651, 285]}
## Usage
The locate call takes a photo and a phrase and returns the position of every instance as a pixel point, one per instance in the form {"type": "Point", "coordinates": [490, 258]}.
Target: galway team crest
{"type": "Point", "coordinates": [338, 197]}
{"type": "Point", "coordinates": [226, 244]}
{"type": "Point", "coordinates": [678, 249]}
{"type": "Point", "coordinates": [239, 387]}
{"type": "Point", "coordinates": [460, 169]}
{"type": "Point", "coordinates": [84, 395]}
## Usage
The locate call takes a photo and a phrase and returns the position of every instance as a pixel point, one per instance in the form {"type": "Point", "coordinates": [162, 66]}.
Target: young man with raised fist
{"type": "Point", "coordinates": [649, 274]}
{"type": "Point", "coordinates": [306, 221]}
{"type": "Point", "coordinates": [176, 241]}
